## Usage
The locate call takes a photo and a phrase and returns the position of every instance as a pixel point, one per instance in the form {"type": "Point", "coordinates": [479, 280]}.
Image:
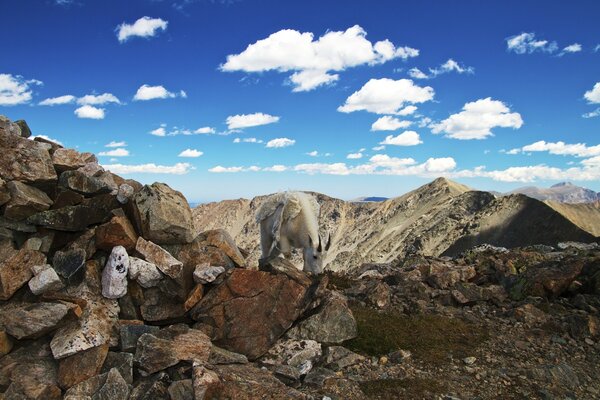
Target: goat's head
{"type": "Point", "coordinates": [315, 254]}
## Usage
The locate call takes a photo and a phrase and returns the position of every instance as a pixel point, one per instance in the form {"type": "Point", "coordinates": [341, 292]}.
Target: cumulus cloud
{"type": "Point", "coordinates": [354, 156]}
{"type": "Point", "coordinates": [220, 169]}
{"type": "Point", "coordinates": [176, 169]}
{"type": "Point", "coordinates": [526, 43]}
{"type": "Point", "coordinates": [175, 131]}
{"type": "Point", "coordinates": [275, 168]}
{"type": "Point", "coordinates": [116, 144]}
{"type": "Point", "coordinates": [448, 66]}
{"type": "Point", "coordinates": [247, 140]}
{"type": "Point", "coordinates": [477, 120]}
{"type": "Point", "coordinates": [312, 61]}
{"type": "Point", "coordinates": [572, 48]}
{"type": "Point", "coordinates": [592, 114]}
{"type": "Point", "coordinates": [191, 153]}
{"type": "Point", "coordinates": [54, 101]}
{"type": "Point", "coordinates": [205, 130]}
{"type": "Point", "coordinates": [387, 123]}
{"type": "Point", "coordinates": [241, 121]}
{"type": "Point", "coordinates": [143, 27]}
{"type": "Point", "coordinates": [14, 89]}
{"type": "Point", "coordinates": [406, 138]}
{"type": "Point", "coordinates": [160, 131]}
{"type": "Point", "coordinates": [90, 112]}
{"type": "Point", "coordinates": [313, 153]}
{"type": "Point", "coordinates": [588, 171]}
{"type": "Point", "coordinates": [97, 100]}
{"type": "Point", "coordinates": [559, 148]}
{"type": "Point", "coordinates": [386, 96]}
{"type": "Point", "coordinates": [280, 142]}
{"type": "Point", "coordinates": [120, 152]}
{"type": "Point", "coordinates": [593, 95]}
{"type": "Point", "coordinates": [147, 92]}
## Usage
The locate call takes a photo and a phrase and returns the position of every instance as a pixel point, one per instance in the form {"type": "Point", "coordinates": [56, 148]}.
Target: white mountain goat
{"type": "Point", "coordinates": [290, 220]}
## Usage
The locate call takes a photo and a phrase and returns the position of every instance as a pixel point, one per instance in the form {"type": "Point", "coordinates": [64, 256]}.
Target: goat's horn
{"type": "Point", "coordinates": [328, 242]}
{"type": "Point", "coordinates": [320, 248]}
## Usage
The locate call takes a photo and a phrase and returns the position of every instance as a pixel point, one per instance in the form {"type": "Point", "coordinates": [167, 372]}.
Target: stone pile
{"type": "Point", "coordinates": [108, 292]}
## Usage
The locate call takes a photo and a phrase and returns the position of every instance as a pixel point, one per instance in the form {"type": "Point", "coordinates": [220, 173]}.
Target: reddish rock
{"type": "Point", "coordinates": [117, 232]}
{"type": "Point", "coordinates": [194, 297]}
{"type": "Point", "coordinates": [250, 310]}
{"type": "Point", "coordinates": [444, 276]}
{"type": "Point", "coordinates": [6, 343]}
{"type": "Point", "coordinates": [205, 383]}
{"type": "Point", "coordinates": [547, 279]}
{"type": "Point", "coordinates": [25, 160]}
{"type": "Point", "coordinates": [158, 256]}
{"type": "Point", "coordinates": [222, 240]}
{"type": "Point", "coordinates": [69, 159]}
{"type": "Point", "coordinates": [16, 271]}
{"type": "Point", "coordinates": [32, 320]}
{"type": "Point", "coordinates": [81, 366]}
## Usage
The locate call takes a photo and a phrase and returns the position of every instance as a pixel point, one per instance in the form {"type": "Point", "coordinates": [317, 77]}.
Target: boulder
{"type": "Point", "coordinates": [124, 193]}
{"type": "Point", "coordinates": [181, 390]}
{"type": "Point", "coordinates": [163, 215]}
{"type": "Point", "coordinates": [548, 279]}
{"type": "Point", "coordinates": [159, 306]}
{"type": "Point", "coordinates": [69, 262]}
{"type": "Point", "coordinates": [4, 192]}
{"type": "Point", "coordinates": [222, 356]}
{"type": "Point", "coordinates": [32, 320]}
{"type": "Point", "coordinates": [70, 218]}
{"type": "Point", "coordinates": [123, 362]}
{"type": "Point", "coordinates": [117, 232]}
{"type": "Point", "coordinates": [79, 182]}
{"type": "Point", "coordinates": [154, 386]}
{"type": "Point", "coordinates": [25, 131]}
{"type": "Point", "coordinates": [9, 127]}
{"type": "Point", "coordinates": [222, 240]}
{"type": "Point", "coordinates": [169, 346]}
{"type": "Point", "coordinates": [193, 297]}
{"type": "Point", "coordinates": [145, 273]}
{"type": "Point", "coordinates": [16, 271]}
{"type": "Point", "coordinates": [130, 333]}
{"type": "Point", "coordinates": [114, 275]}
{"type": "Point", "coordinates": [250, 310]}
{"type": "Point", "coordinates": [25, 160]}
{"type": "Point", "coordinates": [66, 197]}
{"type": "Point", "coordinates": [107, 386]}
{"type": "Point", "coordinates": [69, 159]}
{"type": "Point", "coordinates": [205, 273]}
{"type": "Point", "coordinates": [300, 354]}
{"type": "Point", "coordinates": [584, 326]}
{"type": "Point", "coordinates": [332, 323]}
{"type": "Point", "coordinates": [45, 279]}
{"type": "Point", "coordinates": [338, 357]}
{"type": "Point", "coordinates": [158, 256]}
{"type": "Point", "coordinates": [25, 200]}
{"type": "Point", "coordinates": [81, 366]}
{"type": "Point", "coordinates": [444, 276]}
{"type": "Point", "coordinates": [205, 382]}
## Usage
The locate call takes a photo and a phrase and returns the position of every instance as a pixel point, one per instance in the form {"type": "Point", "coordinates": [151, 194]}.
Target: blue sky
{"type": "Point", "coordinates": [348, 98]}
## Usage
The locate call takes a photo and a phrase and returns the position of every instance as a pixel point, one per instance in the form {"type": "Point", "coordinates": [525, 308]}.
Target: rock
{"type": "Point", "coordinates": [25, 200]}
{"type": "Point", "coordinates": [114, 275]}
{"type": "Point", "coordinates": [4, 192]}
{"type": "Point", "coordinates": [163, 215]}
{"type": "Point", "coordinates": [66, 197]}
{"type": "Point", "coordinates": [32, 320]}
{"type": "Point", "coordinates": [79, 182]}
{"type": "Point", "coordinates": [182, 390]}
{"type": "Point", "coordinates": [338, 357]}
{"type": "Point", "coordinates": [194, 297]}
{"type": "Point", "coordinates": [124, 193]}
{"type": "Point", "coordinates": [399, 356]}
{"type": "Point", "coordinates": [123, 362]}
{"type": "Point", "coordinates": [204, 273]}
{"type": "Point", "coordinates": [6, 343]}
{"type": "Point", "coordinates": [25, 160]}
{"type": "Point", "coordinates": [317, 377]}
{"type": "Point", "coordinates": [295, 353]}
{"type": "Point", "coordinates": [246, 382]}
{"type": "Point", "coordinates": [129, 335]}
{"type": "Point", "coordinates": [250, 310]}
{"type": "Point", "coordinates": [25, 131]}
{"type": "Point", "coordinates": [16, 271]}
{"type": "Point", "coordinates": [81, 366]}
{"type": "Point", "coordinates": [69, 159]}
{"type": "Point", "coordinates": [70, 218]}
{"type": "Point", "coordinates": [205, 382]}
{"type": "Point", "coordinates": [158, 256]}
{"type": "Point", "coordinates": [45, 280]}
{"type": "Point", "coordinates": [379, 295]}
{"type": "Point", "coordinates": [530, 314]}
{"type": "Point", "coordinates": [169, 346]}
{"type": "Point", "coordinates": [222, 240]}
{"type": "Point", "coordinates": [9, 127]}
{"type": "Point", "coordinates": [444, 276]}
{"type": "Point", "coordinates": [92, 169]}
{"type": "Point", "coordinates": [68, 263]}
{"type": "Point", "coordinates": [160, 307]}
{"type": "Point", "coordinates": [108, 386]}
{"type": "Point", "coordinates": [583, 326]}
{"type": "Point", "coordinates": [30, 373]}
{"type": "Point", "coordinates": [561, 375]}
{"type": "Point", "coordinates": [153, 387]}
{"type": "Point", "coordinates": [548, 279]}
{"type": "Point", "coordinates": [222, 356]}
{"type": "Point", "coordinates": [86, 241]}
{"type": "Point", "coordinates": [577, 246]}
{"type": "Point", "coordinates": [333, 323]}
{"type": "Point", "coordinates": [145, 273]}
{"type": "Point", "coordinates": [469, 360]}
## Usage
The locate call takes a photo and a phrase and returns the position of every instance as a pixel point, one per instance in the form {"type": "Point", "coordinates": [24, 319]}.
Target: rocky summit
{"type": "Point", "coordinates": [110, 289]}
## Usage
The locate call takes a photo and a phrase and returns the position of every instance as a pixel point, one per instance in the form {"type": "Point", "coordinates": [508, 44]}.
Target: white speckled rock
{"type": "Point", "coordinates": [205, 273]}
{"type": "Point", "coordinates": [124, 194]}
{"type": "Point", "coordinates": [147, 274]}
{"type": "Point", "coordinates": [114, 275]}
{"type": "Point", "coordinates": [45, 280]}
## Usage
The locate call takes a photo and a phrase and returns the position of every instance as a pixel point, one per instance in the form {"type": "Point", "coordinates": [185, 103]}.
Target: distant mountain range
{"type": "Point", "coordinates": [440, 218]}
{"type": "Point", "coordinates": [564, 192]}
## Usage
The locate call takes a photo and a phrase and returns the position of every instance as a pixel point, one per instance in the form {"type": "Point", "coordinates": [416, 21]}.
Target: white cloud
{"type": "Point", "coordinates": [160, 131]}
{"type": "Point", "coordinates": [354, 156]}
{"type": "Point", "coordinates": [116, 144]}
{"type": "Point", "coordinates": [98, 99]}
{"type": "Point", "coordinates": [323, 168]}
{"type": "Point", "coordinates": [424, 122]}
{"type": "Point", "coordinates": [176, 169]}
{"type": "Point", "coordinates": [280, 142]}
{"type": "Point", "coordinates": [386, 96]}
{"type": "Point", "coordinates": [143, 27]}
{"type": "Point", "coordinates": [408, 110]}
{"type": "Point", "coordinates": [192, 153]}
{"type": "Point", "coordinates": [560, 148]}
{"type": "Point", "coordinates": [46, 138]}
{"type": "Point", "coordinates": [387, 123]}
{"type": "Point", "coordinates": [526, 43]}
{"type": "Point", "coordinates": [313, 153]}
{"type": "Point", "coordinates": [221, 169]}
{"type": "Point", "coordinates": [477, 119]}
{"type": "Point", "coordinates": [593, 95]}
{"type": "Point", "coordinates": [53, 101]}
{"type": "Point", "coordinates": [313, 60]}
{"type": "Point", "coordinates": [276, 168]}
{"type": "Point", "coordinates": [596, 48]}
{"type": "Point", "coordinates": [448, 66]}
{"type": "Point", "coordinates": [15, 90]}
{"type": "Point", "coordinates": [592, 114]}
{"type": "Point", "coordinates": [589, 171]}
{"type": "Point", "coordinates": [147, 92]}
{"type": "Point", "coordinates": [90, 112]}
{"type": "Point", "coordinates": [120, 152]}
{"type": "Point", "coordinates": [378, 148]}
{"type": "Point", "coordinates": [247, 140]}
{"type": "Point", "coordinates": [242, 121]}
{"type": "Point", "coordinates": [406, 138]}
{"type": "Point", "coordinates": [572, 48]}
{"type": "Point", "coordinates": [205, 130]}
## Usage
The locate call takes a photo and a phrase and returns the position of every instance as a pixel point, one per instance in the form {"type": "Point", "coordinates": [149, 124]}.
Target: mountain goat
{"type": "Point", "coordinates": [290, 220]}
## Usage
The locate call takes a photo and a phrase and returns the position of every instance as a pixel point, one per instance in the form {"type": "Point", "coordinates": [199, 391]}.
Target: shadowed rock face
{"type": "Point", "coordinates": [442, 217]}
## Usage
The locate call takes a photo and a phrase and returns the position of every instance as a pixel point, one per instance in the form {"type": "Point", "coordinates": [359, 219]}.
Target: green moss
{"type": "Point", "coordinates": [411, 388]}
{"type": "Point", "coordinates": [431, 338]}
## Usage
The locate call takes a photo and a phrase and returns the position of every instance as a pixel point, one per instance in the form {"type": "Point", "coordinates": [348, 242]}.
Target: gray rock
{"type": "Point", "coordinates": [114, 275]}
{"type": "Point", "coordinates": [163, 215]}
{"type": "Point", "coordinates": [123, 362]}
{"type": "Point", "coordinates": [181, 390]}
{"type": "Point", "coordinates": [153, 387]}
{"type": "Point", "coordinates": [115, 387]}
{"type": "Point", "coordinates": [145, 273]}
{"type": "Point", "coordinates": [223, 356]}
{"type": "Point", "coordinates": [25, 200]}
{"type": "Point", "coordinates": [45, 279]}
{"type": "Point", "coordinates": [4, 193]}
{"type": "Point", "coordinates": [159, 306]}
{"type": "Point", "coordinates": [292, 352]}
{"type": "Point", "coordinates": [158, 256]}
{"type": "Point", "coordinates": [69, 159]}
{"type": "Point", "coordinates": [12, 128]}
{"type": "Point", "coordinates": [79, 182]}
{"type": "Point", "coordinates": [32, 320]}
{"type": "Point", "coordinates": [25, 131]}
{"type": "Point", "coordinates": [317, 377]}
{"type": "Point", "coordinates": [205, 273]}
{"type": "Point", "coordinates": [68, 263]}
{"type": "Point", "coordinates": [129, 335]}
{"type": "Point", "coordinates": [338, 357]}
{"type": "Point", "coordinates": [91, 169]}
{"type": "Point", "coordinates": [124, 193]}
